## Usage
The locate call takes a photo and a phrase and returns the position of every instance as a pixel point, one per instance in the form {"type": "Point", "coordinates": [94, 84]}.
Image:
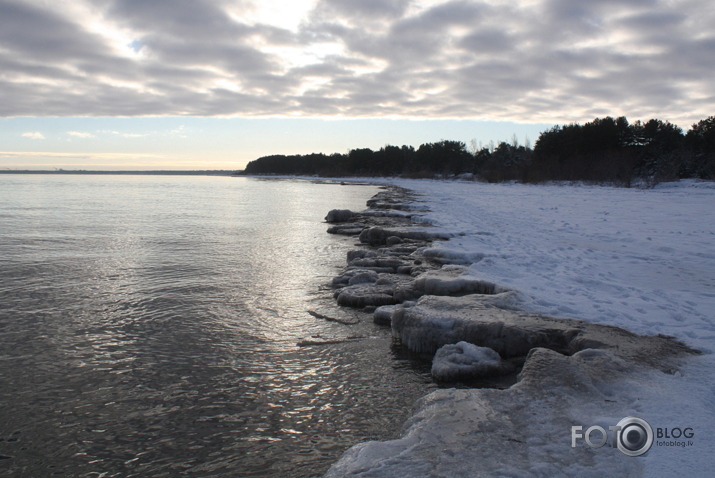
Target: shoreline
{"type": "Point", "coordinates": [430, 301]}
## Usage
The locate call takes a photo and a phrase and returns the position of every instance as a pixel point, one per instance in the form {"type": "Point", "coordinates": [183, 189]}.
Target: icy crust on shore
{"type": "Point", "coordinates": [381, 281]}
{"type": "Point", "coordinates": [433, 322]}
{"type": "Point", "coordinates": [520, 431]}
{"type": "Point", "coordinates": [625, 258]}
{"type": "Point", "coordinates": [632, 258]}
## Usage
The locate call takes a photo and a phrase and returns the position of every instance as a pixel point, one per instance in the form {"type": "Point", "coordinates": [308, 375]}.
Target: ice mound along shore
{"type": "Point", "coordinates": [464, 360]}
{"type": "Point", "coordinates": [339, 215]}
{"type": "Point", "coordinates": [523, 430]}
{"type": "Point", "coordinates": [389, 208]}
{"type": "Point", "coordinates": [433, 321]}
{"type": "Point", "coordinates": [377, 281]}
{"type": "Point", "coordinates": [520, 431]}
{"type": "Point", "coordinates": [376, 236]}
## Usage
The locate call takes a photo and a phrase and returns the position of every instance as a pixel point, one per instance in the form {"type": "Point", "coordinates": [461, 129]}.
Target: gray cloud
{"type": "Point", "coordinates": [365, 9]}
{"type": "Point", "coordinates": [488, 40]}
{"type": "Point", "coordinates": [546, 61]}
{"type": "Point", "coordinates": [30, 31]}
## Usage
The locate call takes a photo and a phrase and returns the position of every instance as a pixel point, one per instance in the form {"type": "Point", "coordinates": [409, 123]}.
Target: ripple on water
{"type": "Point", "coordinates": [149, 327]}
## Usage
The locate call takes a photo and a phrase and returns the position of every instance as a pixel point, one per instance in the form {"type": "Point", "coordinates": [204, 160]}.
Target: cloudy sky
{"type": "Point", "coordinates": [214, 83]}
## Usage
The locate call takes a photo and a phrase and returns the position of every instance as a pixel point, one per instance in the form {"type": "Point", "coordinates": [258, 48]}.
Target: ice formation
{"type": "Point", "coordinates": [383, 314]}
{"type": "Point", "coordinates": [463, 360]}
{"type": "Point", "coordinates": [454, 281]}
{"type": "Point", "coordinates": [339, 215]}
{"type": "Point", "coordinates": [376, 236]}
{"type": "Point", "coordinates": [520, 431]}
{"type": "Point", "coordinates": [624, 258]}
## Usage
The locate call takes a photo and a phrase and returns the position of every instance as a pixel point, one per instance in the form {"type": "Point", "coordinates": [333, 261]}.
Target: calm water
{"type": "Point", "coordinates": [148, 327]}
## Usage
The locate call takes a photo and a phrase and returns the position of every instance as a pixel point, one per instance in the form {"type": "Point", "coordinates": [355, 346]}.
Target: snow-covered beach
{"type": "Point", "coordinates": [639, 259]}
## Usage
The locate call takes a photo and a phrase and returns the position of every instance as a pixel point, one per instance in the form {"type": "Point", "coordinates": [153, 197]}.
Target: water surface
{"type": "Point", "coordinates": [148, 327]}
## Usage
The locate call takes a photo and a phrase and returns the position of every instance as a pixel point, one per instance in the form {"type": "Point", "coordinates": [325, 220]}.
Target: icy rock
{"type": "Point", "coordinates": [399, 250]}
{"type": "Point", "coordinates": [406, 292]}
{"type": "Point", "coordinates": [454, 281]}
{"type": "Point", "coordinates": [379, 270]}
{"type": "Point", "coordinates": [365, 277]}
{"type": "Point", "coordinates": [488, 432]}
{"type": "Point", "coordinates": [374, 236]}
{"type": "Point", "coordinates": [435, 321]}
{"type": "Point", "coordinates": [383, 315]}
{"type": "Point", "coordinates": [363, 295]}
{"type": "Point", "coordinates": [339, 215]}
{"type": "Point", "coordinates": [359, 254]}
{"type": "Point", "coordinates": [463, 360]}
{"type": "Point", "coordinates": [388, 200]}
{"type": "Point", "coordinates": [395, 280]}
{"type": "Point", "coordinates": [389, 263]}
{"type": "Point", "coordinates": [347, 229]}
{"type": "Point", "coordinates": [377, 236]}
{"type": "Point", "coordinates": [448, 281]}
{"type": "Point", "coordinates": [355, 276]}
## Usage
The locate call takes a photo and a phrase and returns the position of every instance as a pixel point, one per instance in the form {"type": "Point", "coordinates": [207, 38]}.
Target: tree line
{"type": "Point", "coordinates": [608, 150]}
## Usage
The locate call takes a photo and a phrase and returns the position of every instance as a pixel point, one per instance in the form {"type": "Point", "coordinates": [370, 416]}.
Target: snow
{"type": "Point", "coordinates": [640, 259]}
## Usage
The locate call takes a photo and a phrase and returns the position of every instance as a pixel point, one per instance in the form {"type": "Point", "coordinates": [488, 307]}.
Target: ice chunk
{"type": "Point", "coordinates": [463, 360]}
{"type": "Point", "coordinates": [377, 236]}
{"type": "Point", "coordinates": [355, 276]}
{"type": "Point", "coordinates": [363, 295]}
{"type": "Point", "coordinates": [363, 277]}
{"type": "Point", "coordinates": [383, 315]}
{"type": "Point", "coordinates": [339, 215]}
{"type": "Point", "coordinates": [454, 281]}
{"type": "Point", "coordinates": [380, 262]}
{"type": "Point", "coordinates": [346, 229]}
{"type": "Point", "coordinates": [521, 431]}
{"type": "Point", "coordinates": [359, 254]}
{"type": "Point", "coordinates": [436, 321]}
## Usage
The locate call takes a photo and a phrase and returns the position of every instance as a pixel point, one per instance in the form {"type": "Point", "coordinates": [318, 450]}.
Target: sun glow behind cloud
{"type": "Point", "coordinates": [287, 14]}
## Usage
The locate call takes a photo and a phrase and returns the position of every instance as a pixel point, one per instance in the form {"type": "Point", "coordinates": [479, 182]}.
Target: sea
{"type": "Point", "coordinates": [160, 326]}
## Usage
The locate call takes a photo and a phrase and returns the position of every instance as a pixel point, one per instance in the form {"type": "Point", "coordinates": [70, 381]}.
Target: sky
{"type": "Point", "coordinates": [213, 84]}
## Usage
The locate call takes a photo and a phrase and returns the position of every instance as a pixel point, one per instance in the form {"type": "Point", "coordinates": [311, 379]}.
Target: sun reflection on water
{"type": "Point", "coordinates": [151, 327]}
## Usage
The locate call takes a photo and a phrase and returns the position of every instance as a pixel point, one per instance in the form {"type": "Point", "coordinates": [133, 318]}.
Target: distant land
{"type": "Point", "coordinates": [155, 173]}
{"type": "Point", "coordinates": [606, 150]}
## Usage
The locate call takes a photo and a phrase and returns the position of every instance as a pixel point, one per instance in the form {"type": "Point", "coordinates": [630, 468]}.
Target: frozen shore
{"type": "Point", "coordinates": [638, 260]}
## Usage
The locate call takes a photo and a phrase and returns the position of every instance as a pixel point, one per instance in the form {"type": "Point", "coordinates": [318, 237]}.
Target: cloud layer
{"type": "Point", "coordinates": [531, 61]}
